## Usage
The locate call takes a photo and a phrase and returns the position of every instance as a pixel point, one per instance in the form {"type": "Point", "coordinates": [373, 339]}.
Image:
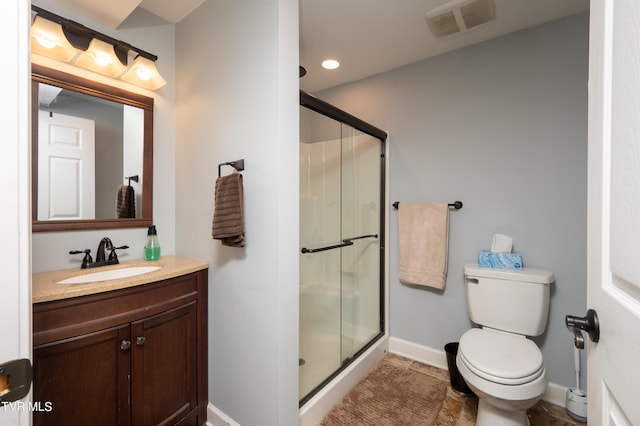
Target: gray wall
{"type": "Point", "coordinates": [501, 126]}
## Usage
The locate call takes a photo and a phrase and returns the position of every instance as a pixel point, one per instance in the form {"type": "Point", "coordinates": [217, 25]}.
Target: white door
{"type": "Point", "coordinates": [613, 258]}
{"type": "Point", "coordinates": [15, 192]}
{"type": "Point", "coordinates": [66, 161]}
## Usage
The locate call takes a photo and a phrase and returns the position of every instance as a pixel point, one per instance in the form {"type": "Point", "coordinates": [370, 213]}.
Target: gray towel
{"type": "Point", "coordinates": [125, 202]}
{"type": "Point", "coordinates": [228, 214]}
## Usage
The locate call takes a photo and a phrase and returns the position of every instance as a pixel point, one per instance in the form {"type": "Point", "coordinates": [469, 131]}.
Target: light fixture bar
{"type": "Point", "coordinates": [69, 41]}
{"type": "Point", "coordinates": [80, 36]}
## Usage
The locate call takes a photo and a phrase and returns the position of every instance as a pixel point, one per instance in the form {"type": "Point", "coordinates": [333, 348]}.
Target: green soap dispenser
{"type": "Point", "coordinates": [152, 246]}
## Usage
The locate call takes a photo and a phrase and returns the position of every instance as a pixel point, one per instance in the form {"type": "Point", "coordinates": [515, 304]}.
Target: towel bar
{"type": "Point", "coordinates": [456, 205]}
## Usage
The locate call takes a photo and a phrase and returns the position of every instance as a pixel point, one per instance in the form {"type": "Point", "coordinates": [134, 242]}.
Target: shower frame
{"type": "Point", "coordinates": [343, 117]}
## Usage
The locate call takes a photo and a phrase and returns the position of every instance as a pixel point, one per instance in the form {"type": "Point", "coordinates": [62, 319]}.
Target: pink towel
{"type": "Point", "coordinates": [424, 243]}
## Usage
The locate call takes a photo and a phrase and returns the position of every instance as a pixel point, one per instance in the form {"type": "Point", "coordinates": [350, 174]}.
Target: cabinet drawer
{"type": "Point", "coordinates": [66, 318]}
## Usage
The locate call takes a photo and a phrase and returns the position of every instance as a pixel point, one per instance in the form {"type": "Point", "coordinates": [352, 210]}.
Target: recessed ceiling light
{"type": "Point", "coordinates": [330, 64]}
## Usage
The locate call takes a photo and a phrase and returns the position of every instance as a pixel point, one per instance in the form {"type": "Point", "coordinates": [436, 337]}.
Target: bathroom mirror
{"type": "Point", "coordinates": [92, 154]}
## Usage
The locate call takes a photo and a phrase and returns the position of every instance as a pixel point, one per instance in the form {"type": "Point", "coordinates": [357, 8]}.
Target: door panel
{"type": "Point", "coordinates": [360, 262]}
{"type": "Point", "coordinates": [164, 382]}
{"type": "Point", "coordinates": [82, 381]}
{"type": "Point", "coordinates": [66, 162]}
{"type": "Point", "coordinates": [613, 244]}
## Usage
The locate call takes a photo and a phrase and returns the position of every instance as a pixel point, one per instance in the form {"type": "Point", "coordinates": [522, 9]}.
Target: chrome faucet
{"type": "Point", "coordinates": [101, 258]}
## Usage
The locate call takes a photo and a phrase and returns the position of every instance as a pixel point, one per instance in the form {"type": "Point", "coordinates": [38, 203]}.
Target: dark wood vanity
{"type": "Point", "coordinates": [135, 355]}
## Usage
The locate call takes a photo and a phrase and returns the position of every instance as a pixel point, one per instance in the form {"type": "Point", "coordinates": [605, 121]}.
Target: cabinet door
{"type": "Point", "coordinates": [164, 381]}
{"type": "Point", "coordinates": [83, 380]}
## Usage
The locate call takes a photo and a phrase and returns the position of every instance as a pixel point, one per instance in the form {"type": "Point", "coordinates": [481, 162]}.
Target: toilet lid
{"type": "Point", "coordinates": [501, 357]}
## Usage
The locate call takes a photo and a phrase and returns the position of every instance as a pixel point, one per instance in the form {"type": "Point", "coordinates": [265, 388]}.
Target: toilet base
{"type": "Point", "coordinates": [490, 415]}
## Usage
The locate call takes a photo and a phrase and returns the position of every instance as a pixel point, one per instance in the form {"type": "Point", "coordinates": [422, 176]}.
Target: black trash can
{"type": "Point", "coordinates": [456, 379]}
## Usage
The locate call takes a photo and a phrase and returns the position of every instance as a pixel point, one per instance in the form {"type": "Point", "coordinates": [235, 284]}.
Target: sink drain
{"type": "Point", "coordinates": [301, 362]}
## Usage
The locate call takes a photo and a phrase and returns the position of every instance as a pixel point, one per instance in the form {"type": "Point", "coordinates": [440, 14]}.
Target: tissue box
{"type": "Point", "coordinates": [488, 259]}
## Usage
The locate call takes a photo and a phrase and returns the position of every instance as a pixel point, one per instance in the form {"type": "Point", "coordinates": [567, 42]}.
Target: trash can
{"type": "Point", "coordinates": [456, 379]}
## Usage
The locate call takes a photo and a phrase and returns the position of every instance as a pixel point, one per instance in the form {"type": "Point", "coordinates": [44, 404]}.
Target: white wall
{"type": "Point", "coordinates": [501, 126]}
{"type": "Point", "coordinates": [15, 222]}
{"type": "Point", "coordinates": [51, 249]}
{"type": "Point", "coordinates": [237, 97]}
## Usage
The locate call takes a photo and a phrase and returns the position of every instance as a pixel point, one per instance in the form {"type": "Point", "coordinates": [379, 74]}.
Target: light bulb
{"type": "Point", "coordinates": [101, 59]}
{"type": "Point", "coordinates": [144, 73]}
{"type": "Point", "coordinates": [46, 41]}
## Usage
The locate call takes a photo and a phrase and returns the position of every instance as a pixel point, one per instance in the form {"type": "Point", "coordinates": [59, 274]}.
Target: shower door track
{"type": "Point", "coordinates": [337, 114]}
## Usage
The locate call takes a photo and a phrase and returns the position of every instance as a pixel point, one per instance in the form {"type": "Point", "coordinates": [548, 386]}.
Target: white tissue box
{"type": "Point", "coordinates": [488, 259]}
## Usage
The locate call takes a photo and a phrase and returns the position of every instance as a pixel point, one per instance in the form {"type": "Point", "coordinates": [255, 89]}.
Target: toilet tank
{"type": "Point", "coordinates": [511, 300]}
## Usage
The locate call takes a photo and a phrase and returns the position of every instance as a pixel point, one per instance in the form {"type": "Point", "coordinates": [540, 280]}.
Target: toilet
{"type": "Point", "coordinates": [496, 359]}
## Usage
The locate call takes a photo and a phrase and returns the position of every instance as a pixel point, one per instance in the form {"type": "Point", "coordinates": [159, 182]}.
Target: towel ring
{"type": "Point", "coordinates": [134, 178]}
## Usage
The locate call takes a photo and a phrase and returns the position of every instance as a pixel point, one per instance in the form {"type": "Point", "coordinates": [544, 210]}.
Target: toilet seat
{"type": "Point", "coordinates": [500, 357]}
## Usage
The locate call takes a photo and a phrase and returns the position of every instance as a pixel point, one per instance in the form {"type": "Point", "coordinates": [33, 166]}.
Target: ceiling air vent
{"type": "Point", "coordinates": [458, 16]}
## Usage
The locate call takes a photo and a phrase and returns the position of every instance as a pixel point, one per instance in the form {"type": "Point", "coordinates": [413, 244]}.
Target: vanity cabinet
{"type": "Point", "coordinates": [134, 356]}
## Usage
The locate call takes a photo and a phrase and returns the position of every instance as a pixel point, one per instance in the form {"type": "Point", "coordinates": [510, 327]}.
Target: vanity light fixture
{"type": "Point", "coordinates": [101, 57]}
{"type": "Point", "coordinates": [48, 39]}
{"type": "Point", "coordinates": [143, 73]}
{"type": "Point", "coordinates": [68, 41]}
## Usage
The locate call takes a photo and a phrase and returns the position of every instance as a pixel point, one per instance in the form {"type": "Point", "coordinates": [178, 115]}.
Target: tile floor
{"type": "Point", "coordinates": [460, 410]}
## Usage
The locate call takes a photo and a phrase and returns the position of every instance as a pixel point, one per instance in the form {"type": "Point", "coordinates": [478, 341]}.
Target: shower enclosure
{"type": "Point", "coordinates": [341, 241]}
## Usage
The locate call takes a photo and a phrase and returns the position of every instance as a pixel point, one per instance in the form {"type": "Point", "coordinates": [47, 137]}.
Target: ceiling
{"type": "Point", "coordinates": [113, 13]}
{"type": "Point", "coordinates": [368, 37]}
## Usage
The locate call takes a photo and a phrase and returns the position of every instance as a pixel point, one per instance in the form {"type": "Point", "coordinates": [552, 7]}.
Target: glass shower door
{"type": "Point", "coordinates": [360, 223]}
{"type": "Point", "coordinates": [340, 232]}
{"type": "Point", "coordinates": [320, 216]}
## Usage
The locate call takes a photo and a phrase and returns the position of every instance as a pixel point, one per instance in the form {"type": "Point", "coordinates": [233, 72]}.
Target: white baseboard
{"type": "Point", "coordinates": [216, 417]}
{"type": "Point", "coordinates": [555, 393]}
{"type": "Point", "coordinates": [416, 352]}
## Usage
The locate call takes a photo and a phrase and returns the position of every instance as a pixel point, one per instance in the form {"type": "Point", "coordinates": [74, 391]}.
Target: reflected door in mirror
{"type": "Point", "coordinates": [66, 158]}
{"type": "Point", "coordinates": [86, 172]}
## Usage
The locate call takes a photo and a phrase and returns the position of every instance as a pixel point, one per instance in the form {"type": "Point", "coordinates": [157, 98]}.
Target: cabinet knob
{"type": "Point", "coordinates": [126, 344]}
{"type": "Point", "coordinates": [140, 340]}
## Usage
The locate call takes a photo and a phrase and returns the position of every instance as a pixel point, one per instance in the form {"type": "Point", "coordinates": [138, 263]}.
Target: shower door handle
{"type": "Point", "coordinates": [346, 242]}
{"type": "Point", "coordinates": [360, 237]}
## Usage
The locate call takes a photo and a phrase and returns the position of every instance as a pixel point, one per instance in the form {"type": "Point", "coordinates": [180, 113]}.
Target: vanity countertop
{"type": "Point", "coordinates": [45, 287]}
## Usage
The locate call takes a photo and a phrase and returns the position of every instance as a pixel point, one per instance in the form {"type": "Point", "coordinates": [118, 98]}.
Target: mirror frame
{"type": "Point", "coordinates": [41, 74]}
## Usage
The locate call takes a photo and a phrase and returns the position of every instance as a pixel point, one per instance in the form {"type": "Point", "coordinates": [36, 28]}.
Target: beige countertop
{"type": "Point", "coordinates": [44, 286]}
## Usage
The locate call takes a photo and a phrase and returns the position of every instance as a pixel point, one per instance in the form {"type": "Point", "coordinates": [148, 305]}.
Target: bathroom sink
{"type": "Point", "coordinates": [112, 274]}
